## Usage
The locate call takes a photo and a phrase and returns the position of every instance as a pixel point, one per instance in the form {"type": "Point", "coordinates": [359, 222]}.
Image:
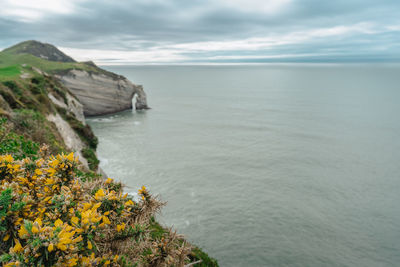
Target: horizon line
{"type": "Point", "coordinates": [251, 63]}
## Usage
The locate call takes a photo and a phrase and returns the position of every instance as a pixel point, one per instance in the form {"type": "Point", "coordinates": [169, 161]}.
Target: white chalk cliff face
{"type": "Point", "coordinates": [73, 105]}
{"type": "Point", "coordinates": [102, 93]}
{"type": "Point", "coordinates": [71, 139]}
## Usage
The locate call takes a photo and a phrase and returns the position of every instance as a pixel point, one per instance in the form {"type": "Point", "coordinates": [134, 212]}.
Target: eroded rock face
{"type": "Point", "coordinates": [102, 94]}
{"type": "Point", "coordinates": [71, 139]}
{"type": "Point", "coordinates": [141, 100]}
{"type": "Point", "coordinates": [74, 106]}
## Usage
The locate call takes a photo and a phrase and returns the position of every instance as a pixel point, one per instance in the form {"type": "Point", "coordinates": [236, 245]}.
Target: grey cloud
{"type": "Point", "coordinates": [140, 25]}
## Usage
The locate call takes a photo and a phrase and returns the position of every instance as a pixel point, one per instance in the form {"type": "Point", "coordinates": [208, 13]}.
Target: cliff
{"type": "Point", "coordinates": [99, 91]}
{"type": "Point", "coordinates": [44, 111]}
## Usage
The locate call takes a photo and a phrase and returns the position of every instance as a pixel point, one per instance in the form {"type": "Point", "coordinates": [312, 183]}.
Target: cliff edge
{"type": "Point", "coordinates": [100, 92]}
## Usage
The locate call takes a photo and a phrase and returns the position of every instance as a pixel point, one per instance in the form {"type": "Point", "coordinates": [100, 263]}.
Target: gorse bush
{"type": "Point", "coordinates": [49, 216]}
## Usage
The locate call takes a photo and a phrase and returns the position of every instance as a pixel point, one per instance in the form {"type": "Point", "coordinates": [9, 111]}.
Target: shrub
{"type": "Point", "coordinates": [13, 86]}
{"type": "Point", "coordinates": [34, 125]}
{"type": "Point", "coordinates": [17, 145]}
{"type": "Point", "coordinates": [50, 217]}
{"type": "Point", "coordinates": [90, 155]}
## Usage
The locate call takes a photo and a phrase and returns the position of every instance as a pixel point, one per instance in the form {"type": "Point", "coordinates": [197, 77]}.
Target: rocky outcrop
{"type": "Point", "coordinates": [103, 92]}
{"type": "Point", "coordinates": [141, 100]}
{"type": "Point", "coordinates": [73, 105]}
{"type": "Point", "coordinates": [71, 139]}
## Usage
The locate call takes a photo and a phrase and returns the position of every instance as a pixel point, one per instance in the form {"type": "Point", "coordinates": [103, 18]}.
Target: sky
{"type": "Point", "coordinates": [208, 31]}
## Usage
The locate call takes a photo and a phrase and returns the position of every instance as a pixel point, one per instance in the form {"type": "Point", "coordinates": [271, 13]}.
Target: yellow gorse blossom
{"type": "Point", "coordinates": [89, 245]}
{"type": "Point", "coordinates": [120, 227]}
{"type": "Point", "coordinates": [99, 194]}
{"type": "Point", "coordinates": [142, 190]}
{"type": "Point", "coordinates": [62, 215]}
{"type": "Point", "coordinates": [17, 248]}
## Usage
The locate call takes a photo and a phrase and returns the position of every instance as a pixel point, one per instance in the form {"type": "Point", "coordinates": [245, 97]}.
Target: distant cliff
{"type": "Point", "coordinates": [100, 92]}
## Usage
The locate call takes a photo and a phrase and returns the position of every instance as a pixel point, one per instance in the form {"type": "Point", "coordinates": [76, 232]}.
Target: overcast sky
{"type": "Point", "coordinates": [208, 31]}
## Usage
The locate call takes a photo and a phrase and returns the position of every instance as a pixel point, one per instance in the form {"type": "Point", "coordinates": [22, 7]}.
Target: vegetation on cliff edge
{"type": "Point", "coordinates": [49, 216]}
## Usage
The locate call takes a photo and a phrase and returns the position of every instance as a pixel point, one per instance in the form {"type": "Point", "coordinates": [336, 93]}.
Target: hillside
{"type": "Point", "coordinates": [55, 207]}
{"type": "Point", "coordinates": [100, 91]}
{"type": "Point", "coordinates": [40, 50]}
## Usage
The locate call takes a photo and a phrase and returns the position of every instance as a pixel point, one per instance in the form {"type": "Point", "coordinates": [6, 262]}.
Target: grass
{"type": "Point", "coordinates": [11, 62]}
{"type": "Point", "coordinates": [24, 62]}
{"type": "Point", "coordinates": [10, 71]}
{"type": "Point", "coordinates": [91, 157]}
{"type": "Point", "coordinates": [9, 59]}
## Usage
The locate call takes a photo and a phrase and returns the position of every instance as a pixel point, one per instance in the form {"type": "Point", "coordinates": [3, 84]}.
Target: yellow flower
{"type": "Point", "coordinates": [51, 171]}
{"type": "Point", "coordinates": [75, 220]}
{"type": "Point", "coordinates": [120, 227]}
{"type": "Point", "coordinates": [61, 246]}
{"type": "Point", "coordinates": [106, 220]}
{"type": "Point", "coordinates": [58, 223]}
{"type": "Point", "coordinates": [6, 237]}
{"type": "Point", "coordinates": [96, 206]}
{"type": "Point", "coordinates": [86, 205]}
{"type": "Point", "coordinates": [17, 248]}
{"type": "Point", "coordinates": [8, 158]}
{"type": "Point", "coordinates": [35, 230]}
{"type": "Point", "coordinates": [115, 258]}
{"type": "Point", "coordinates": [89, 245]}
{"type": "Point", "coordinates": [142, 190]}
{"type": "Point", "coordinates": [78, 239]}
{"type": "Point", "coordinates": [22, 232]}
{"type": "Point", "coordinates": [39, 162]}
{"type": "Point", "coordinates": [54, 163]}
{"type": "Point", "coordinates": [38, 221]}
{"type": "Point", "coordinates": [50, 247]}
{"type": "Point", "coordinates": [18, 222]}
{"type": "Point", "coordinates": [73, 262]}
{"type": "Point", "coordinates": [129, 203]}
{"type": "Point", "coordinates": [99, 194]}
{"type": "Point", "coordinates": [70, 156]}
{"type": "Point", "coordinates": [109, 180]}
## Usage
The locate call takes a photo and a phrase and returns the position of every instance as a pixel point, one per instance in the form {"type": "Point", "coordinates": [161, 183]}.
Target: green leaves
{"type": "Point", "coordinates": [8, 204]}
{"type": "Point", "coordinates": [17, 145]}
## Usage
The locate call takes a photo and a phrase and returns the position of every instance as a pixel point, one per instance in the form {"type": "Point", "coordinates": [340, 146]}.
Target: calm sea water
{"type": "Point", "coordinates": [280, 165]}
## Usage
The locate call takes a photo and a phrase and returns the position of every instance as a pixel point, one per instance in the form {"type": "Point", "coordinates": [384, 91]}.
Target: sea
{"type": "Point", "coordinates": [267, 165]}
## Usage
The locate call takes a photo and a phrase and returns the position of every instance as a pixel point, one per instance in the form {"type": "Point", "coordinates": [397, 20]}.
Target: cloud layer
{"type": "Point", "coordinates": [208, 31]}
